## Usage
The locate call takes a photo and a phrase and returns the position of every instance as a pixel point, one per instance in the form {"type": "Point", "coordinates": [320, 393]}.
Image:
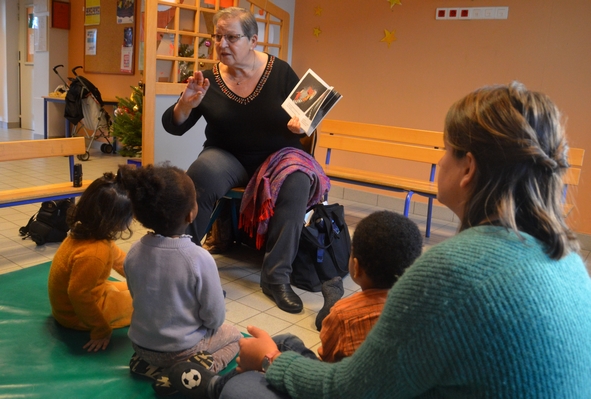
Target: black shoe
{"type": "Point", "coordinates": [202, 358]}
{"type": "Point", "coordinates": [190, 379]}
{"type": "Point", "coordinates": [162, 386]}
{"type": "Point", "coordinates": [284, 297]}
{"type": "Point", "coordinates": [139, 366]}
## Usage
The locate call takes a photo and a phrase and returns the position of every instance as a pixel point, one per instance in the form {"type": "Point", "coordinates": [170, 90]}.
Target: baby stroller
{"type": "Point", "coordinates": [84, 109]}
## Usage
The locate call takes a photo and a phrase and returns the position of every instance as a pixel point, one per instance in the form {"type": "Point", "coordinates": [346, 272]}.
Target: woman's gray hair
{"type": "Point", "coordinates": [247, 20]}
{"type": "Point", "coordinates": [518, 142]}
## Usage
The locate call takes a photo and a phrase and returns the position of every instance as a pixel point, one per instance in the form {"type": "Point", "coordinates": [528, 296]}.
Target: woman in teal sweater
{"type": "Point", "coordinates": [501, 310]}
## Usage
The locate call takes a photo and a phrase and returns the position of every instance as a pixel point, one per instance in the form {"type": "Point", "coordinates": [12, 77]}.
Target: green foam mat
{"type": "Point", "coordinates": [41, 359]}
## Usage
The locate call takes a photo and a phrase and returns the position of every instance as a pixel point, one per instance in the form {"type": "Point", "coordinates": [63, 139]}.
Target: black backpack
{"type": "Point", "coordinates": [49, 224]}
{"type": "Point", "coordinates": [324, 248]}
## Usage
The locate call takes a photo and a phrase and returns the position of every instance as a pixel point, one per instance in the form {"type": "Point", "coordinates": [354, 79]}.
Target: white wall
{"type": "Point", "coordinates": [45, 81]}
{"type": "Point", "coordinates": [9, 110]}
{"type": "Point", "coordinates": [182, 150]}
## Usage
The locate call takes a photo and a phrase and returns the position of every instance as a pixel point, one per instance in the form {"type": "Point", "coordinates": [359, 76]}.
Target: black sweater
{"type": "Point", "coordinates": [251, 128]}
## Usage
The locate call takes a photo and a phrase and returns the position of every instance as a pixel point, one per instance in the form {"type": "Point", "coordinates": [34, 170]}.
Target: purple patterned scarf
{"type": "Point", "coordinates": [261, 192]}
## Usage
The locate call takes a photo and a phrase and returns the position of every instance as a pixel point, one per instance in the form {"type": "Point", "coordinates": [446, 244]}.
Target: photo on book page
{"type": "Point", "coordinates": [310, 101]}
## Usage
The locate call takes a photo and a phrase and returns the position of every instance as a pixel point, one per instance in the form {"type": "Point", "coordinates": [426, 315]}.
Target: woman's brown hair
{"type": "Point", "coordinates": [518, 142]}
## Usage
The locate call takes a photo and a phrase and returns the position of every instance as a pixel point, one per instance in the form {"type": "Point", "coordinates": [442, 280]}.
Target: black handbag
{"type": "Point", "coordinates": [49, 224]}
{"type": "Point", "coordinates": [324, 248]}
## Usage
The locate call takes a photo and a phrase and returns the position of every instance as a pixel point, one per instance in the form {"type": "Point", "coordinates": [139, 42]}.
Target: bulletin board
{"type": "Point", "coordinates": [110, 36]}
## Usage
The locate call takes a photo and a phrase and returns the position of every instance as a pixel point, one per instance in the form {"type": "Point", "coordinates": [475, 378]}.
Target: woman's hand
{"type": "Point", "coordinates": [253, 350]}
{"type": "Point", "coordinates": [94, 345]}
{"type": "Point", "coordinates": [196, 88]}
{"type": "Point", "coordinates": [294, 125]}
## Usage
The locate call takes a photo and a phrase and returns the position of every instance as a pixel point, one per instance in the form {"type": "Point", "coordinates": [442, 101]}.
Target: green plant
{"type": "Point", "coordinates": [127, 124]}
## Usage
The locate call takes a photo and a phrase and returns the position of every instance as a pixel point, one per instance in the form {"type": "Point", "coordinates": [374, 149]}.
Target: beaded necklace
{"type": "Point", "coordinates": [233, 96]}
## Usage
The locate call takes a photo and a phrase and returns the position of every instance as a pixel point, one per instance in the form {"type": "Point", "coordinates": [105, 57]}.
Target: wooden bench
{"type": "Point", "coordinates": [31, 149]}
{"type": "Point", "coordinates": [573, 175]}
{"type": "Point", "coordinates": [422, 146]}
{"type": "Point", "coordinates": [406, 144]}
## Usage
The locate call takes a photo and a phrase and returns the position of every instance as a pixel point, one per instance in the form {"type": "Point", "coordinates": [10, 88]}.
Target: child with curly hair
{"type": "Point", "coordinates": [81, 296]}
{"type": "Point", "coordinates": [179, 306]}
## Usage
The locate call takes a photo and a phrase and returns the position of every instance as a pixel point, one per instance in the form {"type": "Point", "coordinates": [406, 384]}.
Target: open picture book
{"type": "Point", "coordinates": [310, 101]}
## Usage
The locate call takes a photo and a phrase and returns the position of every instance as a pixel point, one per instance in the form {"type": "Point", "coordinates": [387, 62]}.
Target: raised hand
{"type": "Point", "coordinates": [196, 88]}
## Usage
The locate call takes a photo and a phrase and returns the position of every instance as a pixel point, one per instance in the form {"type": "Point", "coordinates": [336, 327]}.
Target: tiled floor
{"type": "Point", "coordinates": [239, 269]}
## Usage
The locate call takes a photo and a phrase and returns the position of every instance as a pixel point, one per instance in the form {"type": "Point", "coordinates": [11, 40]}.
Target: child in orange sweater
{"type": "Point", "coordinates": [81, 296]}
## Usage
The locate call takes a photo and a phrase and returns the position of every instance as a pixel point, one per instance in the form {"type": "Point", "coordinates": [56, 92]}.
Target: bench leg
{"type": "Point", "coordinates": [429, 211]}
{"type": "Point", "coordinates": [407, 203]}
{"type": "Point", "coordinates": [429, 215]}
{"type": "Point", "coordinates": [235, 215]}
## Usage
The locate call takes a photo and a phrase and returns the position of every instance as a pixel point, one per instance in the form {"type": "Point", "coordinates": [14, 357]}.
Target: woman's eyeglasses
{"type": "Point", "coordinates": [229, 38]}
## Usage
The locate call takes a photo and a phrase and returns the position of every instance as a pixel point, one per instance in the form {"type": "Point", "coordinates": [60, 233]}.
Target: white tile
{"type": "Point", "coordinates": [257, 300]}
{"type": "Point", "coordinates": [312, 301]}
{"type": "Point", "coordinates": [233, 272]}
{"type": "Point", "coordinates": [267, 322]}
{"type": "Point", "coordinates": [309, 323]}
{"type": "Point", "coordinates": [236, 291]}
{"type": "Point", "coordinates": [293, 318]}
{"type": "Point", "coordinates": [252, 281]}
{"type": "Point", "coordinates": [237, 312]}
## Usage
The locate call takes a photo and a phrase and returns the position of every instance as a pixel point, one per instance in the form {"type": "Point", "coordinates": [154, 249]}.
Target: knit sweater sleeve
{"type": "Point", "coordinates": [484, 314]}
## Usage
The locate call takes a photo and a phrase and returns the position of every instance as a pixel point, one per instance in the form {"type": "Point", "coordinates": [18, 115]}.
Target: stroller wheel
{"type": "Point", "coordinates": [84, 157]}
{"type": "Point", "coordinates": [106, 148]}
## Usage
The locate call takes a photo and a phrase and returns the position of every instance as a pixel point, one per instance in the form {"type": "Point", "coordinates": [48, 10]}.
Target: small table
{"type": "Point", "coordinates": [48, 99]}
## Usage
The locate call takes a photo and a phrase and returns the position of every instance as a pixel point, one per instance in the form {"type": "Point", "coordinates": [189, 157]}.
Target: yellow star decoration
{"type": "Point", "coordinates": [317, 32]}
{"type": "Point", "coordinates": [318, 11]}
{"type": "Point", "coordinates": [394, 2]}
{"type": "Point", "coordinates": [389, 37]}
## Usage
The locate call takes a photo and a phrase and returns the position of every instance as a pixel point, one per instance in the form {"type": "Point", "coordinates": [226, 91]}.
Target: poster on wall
{"type": "Point", "coordinates": [127, 51]}
{"type": "Point", "coordinates": [90, 48]}
{"type": "Point", "coordinates": [126, 59]}
{"type": "Point", "coordinates": [125, 11]}
{"type": "Point", "coordinates": [92, 12]}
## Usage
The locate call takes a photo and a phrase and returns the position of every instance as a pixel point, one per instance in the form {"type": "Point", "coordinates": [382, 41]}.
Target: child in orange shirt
{"type": "Point", "coordinates": [81, 296]}
{"type": "Point", "coordinates": [384, 244]}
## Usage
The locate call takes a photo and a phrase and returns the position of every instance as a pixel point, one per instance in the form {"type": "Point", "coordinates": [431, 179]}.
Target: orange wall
{"type": "Point", "coordinates": [544, 44]}
{"type": "Point", "coordinates": [110, 86]}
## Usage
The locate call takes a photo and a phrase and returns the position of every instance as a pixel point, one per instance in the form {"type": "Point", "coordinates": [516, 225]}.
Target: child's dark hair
{"type": "Point", "coordinates": [162, 196]}
{"type": "Point", "coordinates": [385, 244]}
{"type": "Point", "coordinates": [103, 212]}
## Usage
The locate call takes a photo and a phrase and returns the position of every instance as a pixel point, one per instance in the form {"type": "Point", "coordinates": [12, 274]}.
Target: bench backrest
{"type": "Point", "coordinates": [572, 175]}
{"type": "Point", "coordinates": [575, 159]}
{"type": "Point", "coordinates": [28, 149]}
{"type": "Point", "coordinates": [387, 141]}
